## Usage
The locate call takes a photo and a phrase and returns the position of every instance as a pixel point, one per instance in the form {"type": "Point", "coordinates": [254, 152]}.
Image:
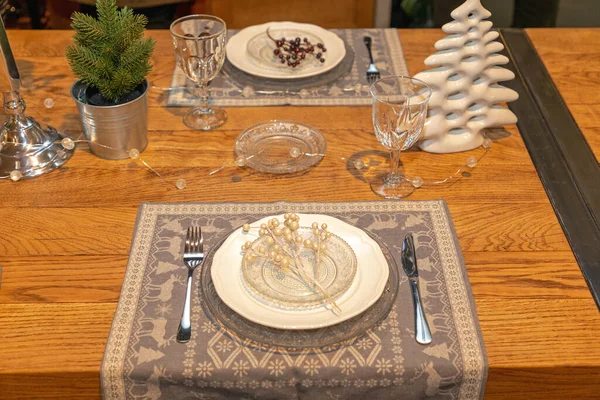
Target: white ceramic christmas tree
{"type": "Point", "coordinates": [465, 85]}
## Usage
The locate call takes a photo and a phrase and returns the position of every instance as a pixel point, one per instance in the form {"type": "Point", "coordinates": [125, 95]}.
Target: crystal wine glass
{"type": "Point", "coordinates": [199, 42]}
{"type": "Point", "coordinates": [399, 112]}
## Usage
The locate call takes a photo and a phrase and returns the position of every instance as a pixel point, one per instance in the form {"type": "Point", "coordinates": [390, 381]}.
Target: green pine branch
{"type": "Point", "coordinates": [110, 53]}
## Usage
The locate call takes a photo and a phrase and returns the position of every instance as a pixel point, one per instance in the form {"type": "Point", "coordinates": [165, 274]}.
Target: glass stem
{"type": "Point", "coordinates": [203, 95]}
{"type": "Point", "coordinates": [394, 164]}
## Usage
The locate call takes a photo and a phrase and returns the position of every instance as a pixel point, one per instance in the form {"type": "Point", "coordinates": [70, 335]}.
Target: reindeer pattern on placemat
{"type": "Point", "coordinates": [215, 364]}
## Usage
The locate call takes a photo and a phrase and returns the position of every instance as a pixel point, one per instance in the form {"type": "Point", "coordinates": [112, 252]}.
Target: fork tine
{"type": "Point", "coordinates": [374, 77]}
{"type": "Point", "coordinates": [188, 236]}
{"type": "Point", "coordinates": [201, 240]}
{"type": "Point", "coordinates": [195, 243]}
{"type": "Point", "coordinates": [194, 239]}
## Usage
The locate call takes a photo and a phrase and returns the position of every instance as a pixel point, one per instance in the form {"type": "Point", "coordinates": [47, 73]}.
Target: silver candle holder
{"type": "Point", "coordinates": [26, 149]}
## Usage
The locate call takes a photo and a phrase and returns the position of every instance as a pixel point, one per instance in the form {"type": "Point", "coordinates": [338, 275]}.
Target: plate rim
{"type": "Point", "coordinates": [379, 285]}
{"type": "Point", "coordinates": [237, 60]}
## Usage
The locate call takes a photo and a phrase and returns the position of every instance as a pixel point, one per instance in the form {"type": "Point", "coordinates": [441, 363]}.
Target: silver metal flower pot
{"type": "Point", "coordinates": [112, 131]}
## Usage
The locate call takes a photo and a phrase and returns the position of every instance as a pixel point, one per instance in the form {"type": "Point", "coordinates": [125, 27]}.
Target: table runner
{"type": "Point", "coordinates": [351, 89]}
{"type": "Point", "coordinates": [143, 360]}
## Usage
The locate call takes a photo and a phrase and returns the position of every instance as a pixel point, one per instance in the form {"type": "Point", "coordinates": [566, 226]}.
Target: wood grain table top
{"type": "Point", "coordinates": [65, 236]}
{"type": "Point", "coordinates": [572, 57]}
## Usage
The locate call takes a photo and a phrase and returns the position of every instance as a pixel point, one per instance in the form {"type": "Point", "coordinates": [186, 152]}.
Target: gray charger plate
{"type": "Point", "coordinates": [329, 338]}
{"type": "Point", "coordinates": [242, 78]}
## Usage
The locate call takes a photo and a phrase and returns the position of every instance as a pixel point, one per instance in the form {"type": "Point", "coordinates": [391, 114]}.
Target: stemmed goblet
{"type": "Point", "coordinates": [199, 42]}
{"type": "Point", "coordinates": [399, 112]}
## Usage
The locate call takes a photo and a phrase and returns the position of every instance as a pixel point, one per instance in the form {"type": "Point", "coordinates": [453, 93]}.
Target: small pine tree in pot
{"type": "Point", "coordinates": [111, 58]}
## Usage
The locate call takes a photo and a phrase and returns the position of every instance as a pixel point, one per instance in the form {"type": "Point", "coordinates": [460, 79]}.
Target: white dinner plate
{"type": "Point", "coordinates": [370, 280]}
{"type": "Point", "coordinates": [251, 51]}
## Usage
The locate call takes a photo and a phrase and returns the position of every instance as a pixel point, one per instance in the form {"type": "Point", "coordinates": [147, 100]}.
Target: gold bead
{"type": "Point", "coordinates": [278, 257]}
{"type": "Point", "coordinates": [271, 254]}
{"type": "Point", "coordinates": [287, 231]}
{"type": "Point", "coordinates": [316, 232]}
{"type": "Point", "coordinates": [248, 245]}
{"type": "Point", "coordinates": [263, 226]}
{"type": "Point", "coordinates": [262, 232]}
{"type": "Point", "coordinates": [277, 231]}
{"type": "Point", "coordinates": [262, 250]}
{"type": "Point", "coordinates": [285, 262]}
{"type": "Point", "coordinates": [299, 239]}
{"type": "Point", "coordinates": [269, 240]}
{"type": "Point", "coordinates": [324, 226]}
{"type": "Point", "coordinates": [288, 238]}
{"type": "Point", "coordinates": [323, 246]}
{"type": "Point", "coordinates": [308, 243]}
{"type": "Point", "coordinates": [275, 223]}
{"type": "Point", "coordinates": [315, 246]}
{"type": "Point", "coordinates": [246, 227]}
{"type": "Point", "coordinates": [315, 225]}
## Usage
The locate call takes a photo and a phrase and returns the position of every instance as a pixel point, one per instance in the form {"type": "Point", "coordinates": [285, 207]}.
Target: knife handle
{"type": "Point", "coordinates": [422, 332]}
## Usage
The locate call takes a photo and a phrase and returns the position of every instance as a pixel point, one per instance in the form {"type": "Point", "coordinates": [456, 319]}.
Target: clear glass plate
{"type": "Point", "coordinates": [284, 289]}
{"type": "Point", "coordinates": [267, 147]}
{"type": "Point", "coordinates": [330, 337]}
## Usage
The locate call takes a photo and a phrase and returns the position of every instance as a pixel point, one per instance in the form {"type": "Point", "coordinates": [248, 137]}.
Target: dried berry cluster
{"type": "Point", "coordinates": [294, 51]}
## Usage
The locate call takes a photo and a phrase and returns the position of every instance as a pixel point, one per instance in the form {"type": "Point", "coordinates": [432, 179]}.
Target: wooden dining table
{"type": "Point", "coordinates": [65, 236]}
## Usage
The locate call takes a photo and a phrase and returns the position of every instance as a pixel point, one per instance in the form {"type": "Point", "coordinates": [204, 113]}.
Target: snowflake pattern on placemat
{"type": "Point", "coordinates": [143, 360]}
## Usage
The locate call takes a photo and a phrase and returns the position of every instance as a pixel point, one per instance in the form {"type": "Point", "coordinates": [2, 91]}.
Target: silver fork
{"type": "Point", "coordinates": [193, 255]}
{"type": "Point", "coordinates": [372, 72]}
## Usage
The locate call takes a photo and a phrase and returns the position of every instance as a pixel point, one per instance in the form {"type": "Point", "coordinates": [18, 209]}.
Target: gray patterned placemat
{"type": "Point", "coordinates": [143, 360]}
{"type": "Point", "coordinates": [350, 90]}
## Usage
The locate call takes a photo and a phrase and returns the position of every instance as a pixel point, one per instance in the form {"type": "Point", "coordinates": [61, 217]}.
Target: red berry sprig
{"type": "Point", "coordinates": [294, 51]}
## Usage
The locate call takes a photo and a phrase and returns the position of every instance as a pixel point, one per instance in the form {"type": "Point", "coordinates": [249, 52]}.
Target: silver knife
{"type": "Point", "coordinates": [409, 263]}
